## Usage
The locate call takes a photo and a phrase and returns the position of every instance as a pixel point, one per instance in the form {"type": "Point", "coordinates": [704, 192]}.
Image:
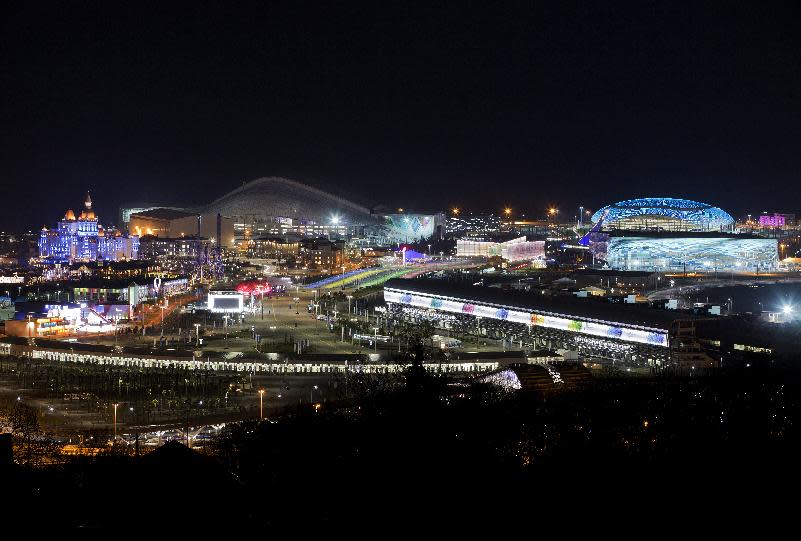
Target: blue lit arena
{"type": "Point", "coordinates": [663, 214]}
{"type": "Point", "coordinates": [666, 234]}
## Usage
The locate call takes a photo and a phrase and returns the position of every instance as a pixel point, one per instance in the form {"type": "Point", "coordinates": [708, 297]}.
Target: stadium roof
{"type": "Point", "coordinates": [597, 309]}
{"type": "Point", "coordinates": [163, 214]}
{"type": "Point", "coordinates": [701, 215]}
{"type": "Point", "coordinates": [269, 197]}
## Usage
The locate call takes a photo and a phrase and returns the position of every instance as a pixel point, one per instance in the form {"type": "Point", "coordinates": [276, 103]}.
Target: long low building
{"type": "Point", "coordinates": [586, 326]}
{"type": "Point", "coordinates": [517, 249]}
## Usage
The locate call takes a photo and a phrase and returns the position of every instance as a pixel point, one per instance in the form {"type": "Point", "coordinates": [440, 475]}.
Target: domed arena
{"type": "Point", "coordinates": [663, 214]}
{"type": "Point", "coordinates": [271, 198]}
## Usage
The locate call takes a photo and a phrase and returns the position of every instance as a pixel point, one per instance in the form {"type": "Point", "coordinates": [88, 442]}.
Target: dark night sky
{"type": "Point", "coordinates": [536, 104]}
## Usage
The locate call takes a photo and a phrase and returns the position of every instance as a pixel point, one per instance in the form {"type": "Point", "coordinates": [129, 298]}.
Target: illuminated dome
{"type": "Point", "coordinates": [272, 197]}
{"type": "Point", "coordinates": [663, 214]}
{"type": "Point", "coordinates": [70, 215]}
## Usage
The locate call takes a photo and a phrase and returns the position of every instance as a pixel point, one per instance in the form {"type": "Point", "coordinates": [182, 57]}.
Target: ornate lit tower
{"type": "Point", "coordinates": [82, 238]}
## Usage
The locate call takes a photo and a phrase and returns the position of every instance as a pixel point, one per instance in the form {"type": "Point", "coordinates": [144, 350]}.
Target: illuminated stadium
{"type": "Point", "coordinates": [274, 199]}
{"type": "Point", "coordinates": [665, 234]}
{"type": "Point", "coordinates": [604, 330]}
{"type": "Point", "coordinates": [663, 214]}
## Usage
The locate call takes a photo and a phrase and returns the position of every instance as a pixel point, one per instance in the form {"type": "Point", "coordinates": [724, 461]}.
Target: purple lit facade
{"type": "Point", "coordinates": [776, 220]}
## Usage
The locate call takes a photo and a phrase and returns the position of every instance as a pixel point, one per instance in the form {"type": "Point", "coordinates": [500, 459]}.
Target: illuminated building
{"type": "Point", "coordinates": [777, 220]}
{"type": "Point", "coordinates": [663, 214]}
{"type": "Point", "coordinates": [272, 206]}
{"type": "Point", "coordinates": [517, 249]}
{"type": "Point", "coordinates": [408, 227]}
{"type": "Point", "coordinates": [271, 198]}
{"type": "Point", "coordinates": [39, 327]}
{"type": "Point", "coordinates": [273, 248]}
{"type": "Point", "coordinates": [276, 206]}
{"type": "Point", "coordinates": [132, 291]}
{"type": "Point", "coordinates": [696, 252]}
{"type": "Point", "coordinates": [152, 247]}
{"type": "Point", "coordinates": [82, 238]}
{"type": "Point", "coordinates": [321, 254]}
{"type": "Point", "coordinates": [632, 332]}
{"type": "Point", "coordinates": [170, 224]}
{"type": "Point", "coordinates": [478, 225]}
{"type": "Point", "coordinates": [667, 234]}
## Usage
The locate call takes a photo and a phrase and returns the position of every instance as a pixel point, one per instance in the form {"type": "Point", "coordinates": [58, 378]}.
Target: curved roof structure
{"type": "Point", "coordinates": [664, 213]}
{"type": "Point", "coordinates": [271, 197]}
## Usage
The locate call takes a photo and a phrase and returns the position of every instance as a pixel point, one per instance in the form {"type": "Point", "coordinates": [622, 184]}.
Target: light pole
{"type": "Point", "coordinates": [349, 298]}
{"type": "Point", "coordinates": [162, 320]}
{"type": "Point", "coordinates": [115, 420]}
{"type": "Point", "coordinates": [311, 393]}
{"type": "Point", "coordinates": [261, 404]}
{"type": "Point", "coordinates": [197, 334]}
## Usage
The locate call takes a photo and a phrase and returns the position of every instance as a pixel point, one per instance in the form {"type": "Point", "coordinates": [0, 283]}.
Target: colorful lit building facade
{"type": "Point", "coordinates": [517, 249]}
{"type": "Point", "coordinates": [82, 238]}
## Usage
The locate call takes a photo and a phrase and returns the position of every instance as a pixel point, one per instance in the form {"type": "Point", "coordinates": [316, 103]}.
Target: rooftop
{"type": "Point", "coordinates": [163, 214]}
{"type": "Point", "coordinates": [587, 308]}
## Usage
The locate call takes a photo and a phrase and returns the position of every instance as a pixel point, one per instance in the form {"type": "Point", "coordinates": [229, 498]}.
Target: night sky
{"type": "Point", "coordinates": [530, 105]}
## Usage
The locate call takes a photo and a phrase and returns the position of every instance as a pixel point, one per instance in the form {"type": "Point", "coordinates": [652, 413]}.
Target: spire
{"type": "Point", "coordinates": [88, 201]}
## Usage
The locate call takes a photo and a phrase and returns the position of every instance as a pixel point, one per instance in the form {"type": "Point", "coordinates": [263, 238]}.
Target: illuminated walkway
{"type": "Point", "coordinates": [296, 367]}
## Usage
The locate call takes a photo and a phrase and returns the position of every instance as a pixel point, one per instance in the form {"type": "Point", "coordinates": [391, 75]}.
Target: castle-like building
{"type": "Point", "coordinates": [82, 238]}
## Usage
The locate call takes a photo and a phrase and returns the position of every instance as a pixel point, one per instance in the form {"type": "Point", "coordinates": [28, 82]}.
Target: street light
{"type": "Point", "coordinates": [261, 404]}
{"type": "Point", "coordinates": [311, 393]}
{"type": "Point", "coordinates": [197, 334]}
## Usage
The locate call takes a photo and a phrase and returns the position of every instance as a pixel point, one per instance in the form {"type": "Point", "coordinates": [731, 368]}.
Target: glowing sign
{"type": "Point", "coordinates": [226, 302]}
